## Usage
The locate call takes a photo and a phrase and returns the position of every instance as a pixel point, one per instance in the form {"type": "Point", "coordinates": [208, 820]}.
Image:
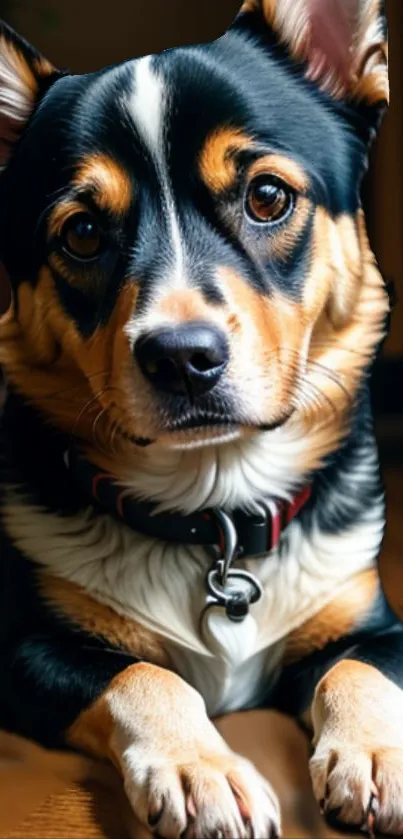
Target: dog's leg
{"type": "Point", "coordinates": [178, 772]}
{"type": "Point", "coordinates": [357, 717]}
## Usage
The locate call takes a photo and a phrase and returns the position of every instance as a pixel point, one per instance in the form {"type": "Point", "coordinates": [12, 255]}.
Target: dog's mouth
{"type": "Point", "coordinates": [215, 421]}
{"type": "Point", "coordinates": [207, 427]}
{"type": "Point", "coordinates": [201, 420]}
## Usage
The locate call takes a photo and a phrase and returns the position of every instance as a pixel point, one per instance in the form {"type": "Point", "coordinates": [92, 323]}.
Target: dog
{"type": "Point", "coordinates": [191, 505]}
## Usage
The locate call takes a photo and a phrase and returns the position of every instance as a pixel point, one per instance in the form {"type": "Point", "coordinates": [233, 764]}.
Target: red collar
{"type": "Point", "coordinates": [255, 534]}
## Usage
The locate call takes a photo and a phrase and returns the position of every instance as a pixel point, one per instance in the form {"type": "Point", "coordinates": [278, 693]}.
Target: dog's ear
{"type": "Point", "coordinates": [24, 77]}
{"type": "Point", "coordinates": [340, 44]}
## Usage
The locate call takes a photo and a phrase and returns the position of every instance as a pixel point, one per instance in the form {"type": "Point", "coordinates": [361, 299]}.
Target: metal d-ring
{"type": "Point", "coordinates": [217, 590]}
{"type": "Point", "coordinates": [235, 600]}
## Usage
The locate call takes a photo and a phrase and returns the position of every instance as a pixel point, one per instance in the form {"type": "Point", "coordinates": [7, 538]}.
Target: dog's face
{"type": "Point", "coordinates": [183, 232]}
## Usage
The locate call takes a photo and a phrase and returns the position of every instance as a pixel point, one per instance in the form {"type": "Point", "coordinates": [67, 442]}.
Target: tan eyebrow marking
{"type": "Point", "coordinates": [218, 168]}
{"type": "Point", "coordinates": [216, 162]}
{"type": "Point", "coordinates": [110, 183]}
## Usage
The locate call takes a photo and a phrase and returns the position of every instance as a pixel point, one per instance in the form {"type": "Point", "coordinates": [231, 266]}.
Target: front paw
{"type": "Point", "coordinates": [212, 795]}
{"type": "Point", "coordinates": [360, 787]}
{"type": "Point", "coordinates": [357, 766]}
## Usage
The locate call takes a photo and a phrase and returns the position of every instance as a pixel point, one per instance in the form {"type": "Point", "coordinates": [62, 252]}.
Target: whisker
{"type": "Point", "coordinates": [103, 412]}
{"type": "Point", "coordinates": [86, 407]}
{"type": "Point", "coordinates": [316, 394]}
{"type": "Point", "coordinates": [315, 365]}
{"type": "Point", "coordinates": [330, 374]}
{"type": "Point", "coordinates": [338, 347]}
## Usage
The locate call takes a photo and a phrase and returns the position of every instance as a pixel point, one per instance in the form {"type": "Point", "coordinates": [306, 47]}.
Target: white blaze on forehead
{"type": "Point", "coordinates": [149, 108]}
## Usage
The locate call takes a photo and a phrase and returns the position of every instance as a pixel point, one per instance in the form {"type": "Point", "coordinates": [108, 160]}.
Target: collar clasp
{"type": "Point", "coordinates": [234, 590]}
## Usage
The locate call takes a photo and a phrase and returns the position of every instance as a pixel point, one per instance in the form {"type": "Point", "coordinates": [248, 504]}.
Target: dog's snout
{"type": "Point", "coordinates": [189, 358]}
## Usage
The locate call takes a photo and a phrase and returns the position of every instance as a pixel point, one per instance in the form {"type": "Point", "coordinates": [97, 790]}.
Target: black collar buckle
{"type": "Point", "coordinates": [258, 533]}
{"type": "Point", "coordinates": [232, 589]}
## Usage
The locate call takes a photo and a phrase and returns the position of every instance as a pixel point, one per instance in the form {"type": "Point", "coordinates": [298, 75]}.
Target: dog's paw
{"type": "Point", "coordinates": [214, 795]}
{"type": "Point", "coordinates": [181, 778]}
{"type": "Point", "coordinates": [360, 788]}
{"type": "Point", "coordinates": [357, 766]}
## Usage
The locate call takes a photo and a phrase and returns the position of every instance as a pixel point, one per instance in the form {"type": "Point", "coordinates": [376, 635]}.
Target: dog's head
{"type": "Point", "coordinates": [184, 235]}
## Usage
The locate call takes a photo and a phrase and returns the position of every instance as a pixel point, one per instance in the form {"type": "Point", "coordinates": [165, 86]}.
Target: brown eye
{"type": "Point", "coordinates": [268, 199]}
{"type": "Point", "coordinates": [82, 237]}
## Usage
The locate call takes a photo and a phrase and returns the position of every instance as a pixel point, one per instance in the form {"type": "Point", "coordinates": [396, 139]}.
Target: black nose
{"type": "Point", "coordinates": [189, 358]}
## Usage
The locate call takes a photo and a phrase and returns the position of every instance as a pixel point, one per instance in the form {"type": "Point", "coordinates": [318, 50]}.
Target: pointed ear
{"type": "Point", "coordinates": [342, 43]}
{"type": "Point", "coordinates": [24, 77]}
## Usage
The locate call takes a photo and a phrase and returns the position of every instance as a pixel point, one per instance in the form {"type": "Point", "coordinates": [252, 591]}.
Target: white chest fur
{"type": "Point", "coordinates": [163, 587]}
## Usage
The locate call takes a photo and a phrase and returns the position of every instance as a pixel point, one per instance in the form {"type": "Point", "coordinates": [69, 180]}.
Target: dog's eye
{"type": "Point", "coordinates": [268, 199]}
{"type": "Point", "coordinates": [81, 237]}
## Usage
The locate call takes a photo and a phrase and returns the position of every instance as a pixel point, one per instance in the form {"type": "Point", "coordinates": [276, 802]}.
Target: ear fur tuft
{"type": "Point", "coordinates": [342, 43]}
{"type": "Point", "coordinates": [24, 74]}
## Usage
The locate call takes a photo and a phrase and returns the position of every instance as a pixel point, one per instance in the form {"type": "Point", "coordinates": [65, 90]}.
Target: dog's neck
{"type": "Point", "coordinates": [237, 474]}
{"type": "Point", "coordinates": [242, 473]}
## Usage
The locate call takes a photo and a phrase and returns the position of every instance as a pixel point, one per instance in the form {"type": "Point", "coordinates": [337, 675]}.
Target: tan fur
{"type": "Point", "coordinates": [345, 352]}
{"type": "Point", "coordinates": [318, 284]}
{"type": "Point", "coordinates": [20, 67]}
{"type": "Point", "coordinates": [217, 165]}
{"type": "Point", "coordinates": [371, 57]}
{"type": "Point", "coordinates": [184, 305]}
{"type": "Point", "coordinates": [109, 182]}
{"type": "Point", "coordinates": [141, 691]}
{"type": "Point", "coordinates": [43, 67]}
{"type": "Point", "coordinates": [69, 378]}
{"type": "Point", "coordinates": [217, 162]}
{"type": "Point", "coordinates": [283, 241]}
{"type": "Point", "coordinates": [111, 190]}
{"type": "Point", "coordinates": [360, 67]}
{"type": "Point", "coordinates": [269, 330]}
{"type": "Point", "coordinates": [357, 767]}
{"type": "Point", "coordinates": [337, 619]}
{"type": "Point", "coordinates": [335, 277]}
{"type": "Point", "coordinates": [176, 767]}
{"type": "Point", "coordinates": [344, 308]}
{"type": "Point", "coordinates": [364, 327]}
{"type": "Point", "coordinates": [72, 602]}
{"type": "Point", "coordinates": [249, 6]}
{"type": "Point", "coordinates": [346, 261]}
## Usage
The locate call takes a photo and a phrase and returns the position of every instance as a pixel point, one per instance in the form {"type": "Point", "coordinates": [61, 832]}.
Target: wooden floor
{"type": "Point", "coordinates": [47, 796]}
